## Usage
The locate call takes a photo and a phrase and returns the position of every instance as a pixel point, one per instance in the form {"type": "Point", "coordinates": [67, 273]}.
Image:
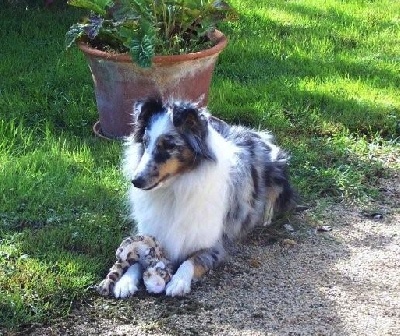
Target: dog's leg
{"type": "Point", "coordinates": [194, 268]}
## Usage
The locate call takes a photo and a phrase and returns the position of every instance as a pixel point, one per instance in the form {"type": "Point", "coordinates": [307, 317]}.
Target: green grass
{"type": "Point", "coordinates": [324, 76]}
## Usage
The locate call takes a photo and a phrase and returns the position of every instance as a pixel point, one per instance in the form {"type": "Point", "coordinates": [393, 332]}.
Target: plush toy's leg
{"type": "Point", "coordinates": [127, 255]}
{"type": "Point", "coordinates": [194, 268]}
{"type": "Point", "coordinates": [106, 287]}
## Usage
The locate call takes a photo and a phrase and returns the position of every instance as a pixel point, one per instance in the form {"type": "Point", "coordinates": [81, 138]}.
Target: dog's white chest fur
{"type": "Point", "coordinates": [187, 214]}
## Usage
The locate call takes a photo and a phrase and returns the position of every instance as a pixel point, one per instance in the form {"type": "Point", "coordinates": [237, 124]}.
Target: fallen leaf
{"type": "Point", "coordinates": [255, 263]}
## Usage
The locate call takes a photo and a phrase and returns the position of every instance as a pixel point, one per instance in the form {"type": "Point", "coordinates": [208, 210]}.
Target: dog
{"type": "Point", "coordinates": [197, 185]}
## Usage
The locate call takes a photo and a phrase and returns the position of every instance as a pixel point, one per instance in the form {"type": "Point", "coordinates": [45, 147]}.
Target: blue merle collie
{"type": "Point", "coordinates": [197, 185]}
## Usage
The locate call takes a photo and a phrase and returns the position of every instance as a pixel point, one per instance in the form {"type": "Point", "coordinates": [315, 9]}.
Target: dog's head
{"type": "Point", "coordinates": [172, 139]}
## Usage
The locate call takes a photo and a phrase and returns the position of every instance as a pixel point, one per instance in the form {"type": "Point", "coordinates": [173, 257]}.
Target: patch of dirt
{"type": "Point", "coordinates": [311, 282]}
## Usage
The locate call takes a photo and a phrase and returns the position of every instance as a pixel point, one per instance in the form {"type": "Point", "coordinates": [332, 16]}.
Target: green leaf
{"type": "Point", "coordinates": [75, 32]}
{"type": "Point", "coordinates": [141, 44]}
{"type": "Point", "coordinates": [143, 9]}
{"type": "Point", "coordinates": [142, 51]}
{"type": "Point", "coordinates": [97, 6]}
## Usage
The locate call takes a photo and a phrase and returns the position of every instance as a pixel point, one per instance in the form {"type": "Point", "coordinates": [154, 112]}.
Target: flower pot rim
{"type": "Point", "coordinates": [216, 35]}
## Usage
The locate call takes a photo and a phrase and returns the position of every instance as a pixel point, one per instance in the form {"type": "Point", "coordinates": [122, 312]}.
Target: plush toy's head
{"type": "Point", "coordinates": [156, 277]}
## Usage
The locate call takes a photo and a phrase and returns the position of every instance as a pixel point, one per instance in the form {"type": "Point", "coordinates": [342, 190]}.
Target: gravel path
{"type": "Point", "coordinates": [340, 282]}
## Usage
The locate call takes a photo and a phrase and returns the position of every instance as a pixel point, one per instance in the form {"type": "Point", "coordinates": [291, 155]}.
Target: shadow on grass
{"type": "Point", "coordinates": [289, 75]}
{"type": "Point", "coordinates": [41, 83]}
{"type": "Point", "coordinates": [60, 224]}
{"type": "Point", "coordinates": [310, 98]}
{"type": "Point", "coordinates": [61, 212]}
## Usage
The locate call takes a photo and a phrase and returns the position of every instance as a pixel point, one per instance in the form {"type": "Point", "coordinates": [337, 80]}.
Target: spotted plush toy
{"type": "Point", "coordinates": [145, 250]}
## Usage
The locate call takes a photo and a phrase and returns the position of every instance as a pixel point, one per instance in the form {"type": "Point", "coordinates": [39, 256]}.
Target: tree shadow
{"type": "Point", "coordinates": [288, 77]}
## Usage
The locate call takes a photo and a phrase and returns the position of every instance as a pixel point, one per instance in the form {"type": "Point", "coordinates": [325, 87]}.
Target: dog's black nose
{"type": "Point", "coordinates": [138, 182]}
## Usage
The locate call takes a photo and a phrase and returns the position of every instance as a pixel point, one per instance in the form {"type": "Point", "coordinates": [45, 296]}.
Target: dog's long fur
{"type": "Point", "coordinates": [198, 184]}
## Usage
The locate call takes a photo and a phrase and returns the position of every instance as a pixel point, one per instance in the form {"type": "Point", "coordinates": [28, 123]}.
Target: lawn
{"type": "Point", "coordinates": [323, 76]}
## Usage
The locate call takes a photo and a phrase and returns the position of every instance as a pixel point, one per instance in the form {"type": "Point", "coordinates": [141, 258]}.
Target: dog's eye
{"type": "Point", "coordinates": [168, 145]}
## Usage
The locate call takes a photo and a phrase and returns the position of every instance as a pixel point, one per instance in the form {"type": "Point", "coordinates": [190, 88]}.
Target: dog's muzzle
{"type": "Point", "coordinates": [139, 182]}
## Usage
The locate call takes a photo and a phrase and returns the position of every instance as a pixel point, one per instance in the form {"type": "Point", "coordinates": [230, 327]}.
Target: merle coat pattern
{"type": "Point", "coordinates": [198, 184]}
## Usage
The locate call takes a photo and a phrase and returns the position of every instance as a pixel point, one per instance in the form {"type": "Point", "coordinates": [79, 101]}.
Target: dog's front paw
{"type": "Point", "coordinates": [180, 283]}
{"type": "Point", "coordinates": [124, 289]}
{"type": "Point", "coordinates": [178, 287]}
{"type": "Point", "coordinates": [128, 284]}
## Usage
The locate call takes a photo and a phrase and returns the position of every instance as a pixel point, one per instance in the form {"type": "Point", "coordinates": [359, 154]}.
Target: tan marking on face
{"type": "Point", "coordinates": [175, 166]}
{"type": "Point", "coordinates": [178, 163]}
{"type": "Point", "coordinates": [170, 168]}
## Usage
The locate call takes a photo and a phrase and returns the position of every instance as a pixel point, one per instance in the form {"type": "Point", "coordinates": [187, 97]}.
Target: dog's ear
{"type": "Point", "coordinates": [142, 112]}
{"type": "Point", "coordinates": [188, 118]}
{"type": "Point", "coordinates": [193, 126]}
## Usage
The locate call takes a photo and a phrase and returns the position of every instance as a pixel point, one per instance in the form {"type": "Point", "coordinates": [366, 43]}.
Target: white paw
{"type": "Point", "coordinates": [128, 284]}
{"type": "Point", "coordinates": [124, 289]}
{"type": "Point", "coordinates": [181, 281]}
{"type": "Point", "coordinates": [178, 287]}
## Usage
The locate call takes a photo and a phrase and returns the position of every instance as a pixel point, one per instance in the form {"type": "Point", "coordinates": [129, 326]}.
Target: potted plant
{"type": "Point", "coordinates": [147, 48]}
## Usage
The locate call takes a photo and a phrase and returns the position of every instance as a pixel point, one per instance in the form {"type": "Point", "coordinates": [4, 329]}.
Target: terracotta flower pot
{"type": "Point", "coordinates": [119, 82]}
